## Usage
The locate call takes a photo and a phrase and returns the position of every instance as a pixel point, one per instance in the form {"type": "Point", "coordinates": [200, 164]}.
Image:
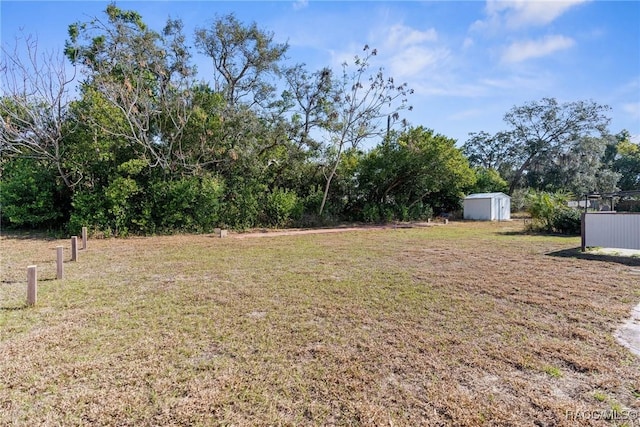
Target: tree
{"type": "Point", "coordinates": [488, 180]}
{"type": "Point", "coordinates": [579, 169]}
{"type": "Point", "coordinates": [145, 75]}
{"type": "Point", "coordinates": [489, 151]}
{"type": "Point", "coordinates": [29, 195]}
{"type": "Point", "coordinates": [547, 145]}
{"type": "Point", "coordinates": [627, 162]}
{"type": "Point", "coordinates": [544, 130]}
{"type": "Point", "coordinates": [413, 173]}
{"type": "Point", "coordinates": [34, 108]}
{"type": "Point", "coordinates": [361, 103]}
{"type": "Point", "coordinates": [310, 95]}
{"type": "Point", "coordinates": [243, 57]}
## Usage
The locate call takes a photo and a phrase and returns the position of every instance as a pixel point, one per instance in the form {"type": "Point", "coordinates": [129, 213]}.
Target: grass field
{"type": "Point", "coordinates": [467, 324]}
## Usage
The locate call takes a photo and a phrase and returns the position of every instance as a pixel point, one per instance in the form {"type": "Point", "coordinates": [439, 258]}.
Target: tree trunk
{"type": "Point", "coordinates": [330, 178]}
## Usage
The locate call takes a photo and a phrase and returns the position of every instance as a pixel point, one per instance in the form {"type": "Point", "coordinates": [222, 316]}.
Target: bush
{"type": "Point", "coordinates": [371, 213]}
{"type": "Point", "coordinates": [89, 210]}
{"type": "Point", "coordinates": [243, 205]}
{"type": "Point", "coordinates": [29, 196]}
{"type": "Point", "coordinates": [187, 205]}
{"type": "Point", "coordinates": [550, 213]}
{"type": "Point", "coordinates": [420, 211]}
{"type": "Point", "coordinates": [121, 209]}
{"type": "Point", "coordinates": [282, 206]}
{"type": "Point", "coordinates": [567, 221]}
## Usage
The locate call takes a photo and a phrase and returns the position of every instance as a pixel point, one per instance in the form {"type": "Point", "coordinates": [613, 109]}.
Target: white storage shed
{"type": "Point", "coordinates": [487, 207]}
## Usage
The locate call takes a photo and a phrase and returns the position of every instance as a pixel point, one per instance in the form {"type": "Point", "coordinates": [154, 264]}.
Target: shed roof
{"type": "Point", "coordinates": [485, 196]}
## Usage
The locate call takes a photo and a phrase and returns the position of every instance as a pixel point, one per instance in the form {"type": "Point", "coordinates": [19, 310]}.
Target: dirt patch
{"type": "Point", "coordinates": [328, 230]}
{"type": "Point", "coordinates": [629, 334]}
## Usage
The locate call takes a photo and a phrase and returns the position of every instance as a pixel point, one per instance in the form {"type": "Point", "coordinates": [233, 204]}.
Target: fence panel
{"type": "Point", "coordinates": [611, 230]}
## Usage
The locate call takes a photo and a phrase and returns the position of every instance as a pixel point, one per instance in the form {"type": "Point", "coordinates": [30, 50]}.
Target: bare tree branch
{"type": "Point", "coordinates": [34, 107]}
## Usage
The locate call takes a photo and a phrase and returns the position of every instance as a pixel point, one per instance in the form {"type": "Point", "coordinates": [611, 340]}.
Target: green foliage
{"type": "Point", "coordinates": [282, 206]}
{"type": "Point", "coordinates": [549, 146]}
{"type": "Point", "coordinates": [90, 209]}
{"type": "Point", "coordinates": [133, 167]}
{"type": "Point", "coordinates": [118, 195]}
{"type": "Point", "coordinates": [567, 221]}
{"type": "Point", "coordinates": [145, 149]}
{"type": "Point", "coordinates": [627, 163]}
{"type": "Point", "coordinates": [29, 196]}
{"type": "Point", "coordinates": [243, 204]}
{"type": "Point", "coordinates": [187, 205]}
{"type": "Point", "coordinates": [243, 57]}
{"type": "Point", "coordinates": [411, 175]}
{"type": "Point", "coordinates": [550, 213]}
{"type": "Point", "coordinates": [488, 180]}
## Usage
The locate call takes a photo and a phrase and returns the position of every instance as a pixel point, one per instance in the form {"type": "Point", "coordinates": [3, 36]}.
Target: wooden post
{"type": "Point", "coordinates": [220, 232]}
{"type": "Point", "coordinates": [32, 285]}
{"type": "Point", "coordinates": [84, 238]}
{"type": "Point", "coordinates": [59, 262]}
{"type": "Point", "coordinates": [74, 248]}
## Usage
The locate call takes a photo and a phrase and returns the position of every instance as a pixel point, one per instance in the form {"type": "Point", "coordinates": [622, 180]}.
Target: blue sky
{"type": "Point", "coordinates": [469, 62]}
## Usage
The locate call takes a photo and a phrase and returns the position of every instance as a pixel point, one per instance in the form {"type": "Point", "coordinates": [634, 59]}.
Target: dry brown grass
{"type": "Point", "coordinates": [468, 324]}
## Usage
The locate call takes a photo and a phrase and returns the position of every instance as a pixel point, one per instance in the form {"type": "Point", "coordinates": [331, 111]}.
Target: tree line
{"type": "Point", "coordinates": [133, 141]}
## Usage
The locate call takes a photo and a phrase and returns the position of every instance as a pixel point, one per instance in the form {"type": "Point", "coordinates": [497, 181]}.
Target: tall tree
{"type": "Point", "coordinates": [578, 169]}
{"type": "Point", "coordinates": [491, 152]}
{"type": "Point", "coordinates": [245, 59]}
{"type": "Point", "coordinates": [364, 103]}
{"type": "Point", "coordinates": [310, 95]}
{"type": "Point", "coordinates": [145, 75]}
{"type": "Point", "coordinates": [544, 139]}
{"type": "Point", "coordinates": [544, 130]}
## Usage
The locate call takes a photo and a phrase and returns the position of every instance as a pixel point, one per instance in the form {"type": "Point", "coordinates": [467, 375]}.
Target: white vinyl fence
{"type": "Point", "coordinates": [611, 230]}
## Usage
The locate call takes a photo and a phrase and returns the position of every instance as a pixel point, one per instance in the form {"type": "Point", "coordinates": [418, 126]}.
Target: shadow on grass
{"type": "Point", "coordinates": [23, 306]}
{"type": "Point", "coordinates": [533, 233]}
{"type": "Point", "coordinates": [577, 253]}
{"type": "Point", "coordinates": [31, 235]}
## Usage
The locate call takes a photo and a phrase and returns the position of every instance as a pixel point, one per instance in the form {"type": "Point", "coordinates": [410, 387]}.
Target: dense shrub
{"type": "Point", "coordinates": [90, 210]}
{"type": "Point", "coordinates": [550, 213]}
{"type": "Point", "coordinates": [29, 196]}
{"type": "Point", "coordinates": [282, 206]}
{"type": "Point", "coordinates": [187, 205]}
{"type": "Point", "coordinates": [567, 221]}
{"type": "Point", "coordinates": [243, 204]}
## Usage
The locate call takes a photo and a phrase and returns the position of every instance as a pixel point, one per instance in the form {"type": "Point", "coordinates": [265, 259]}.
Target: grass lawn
{"type": "Point", "coordinates": [467, 324]}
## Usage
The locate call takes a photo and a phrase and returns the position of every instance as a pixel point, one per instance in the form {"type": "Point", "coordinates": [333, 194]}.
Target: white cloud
{"type": "Point", "coordinates": [515, 14]}
{"type": "Point", "coordinates": [408, 52]}
{"type": "Point", "coordinates": [523, 50]}
{"type": "Point", "coordinates": [632, 109]}
{"type": "Point", "coordinates": [414, 61]}
{"type": "Point", "coordinates": [300, 4]}
{"type": "Point", "coordinates": [400, 36]}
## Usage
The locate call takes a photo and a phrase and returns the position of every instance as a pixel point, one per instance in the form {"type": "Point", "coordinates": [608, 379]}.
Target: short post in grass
{"type": "Point", "coordinates": [84, 238]}
{"type": "Point", "coordinates": [220, 232]}
{"type": "Point", "coordinates": [74, 248]}
{"type": "Point", "coordinates": [32, 285]}
{"type": "Point", "coordinates": [59, 262]}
